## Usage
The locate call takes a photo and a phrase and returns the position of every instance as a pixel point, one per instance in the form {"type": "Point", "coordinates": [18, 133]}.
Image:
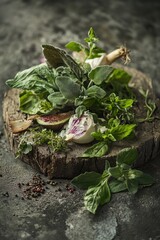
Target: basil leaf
{"type": "Point", "coordinates": [96, 92]}
{"type": "Point", "coordinates": [68, 87]}
{"type": "Point", "coordinates": [115, 171]}
{"type": "Point", "coordinates": [145, 179]}
{"type": "Point", "coordinates": [100, 74]}
{"type": "Point", "coordinates": [97, 150]}
{"type": "Point", "coordinates": [127, 156]}
{"type": "Point", "coordinates": [123, 131]}
{"type": "Point", "coordinates": [86, 180]}
{"type": "Point", "coordinates": [117, 186]}
{"type": "Point", "coordinates": [97, 195]}
{"type": "Point", "coordinates": [33, 103]}
{"type": "Point", "coordinates": [120, 76]}
{"type": "Point", "coordinates": [132, 185]}
{"type": "Point", "coordinates": [74, 46]}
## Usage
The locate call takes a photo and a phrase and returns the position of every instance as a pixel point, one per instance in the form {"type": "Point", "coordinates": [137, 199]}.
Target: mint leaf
{"type": "Point", "coordinates": [74, 46]}
{"type": "Point", "coordinates": [97, 195]}
{"type": "Point", "coordinates": [86, 180]}
{"type": "Point", "coordinates": [127, 156]}
{"type": "Point", "coordinates": [99, 74]}
{"type": "Point", "coordinates": [97, 150]}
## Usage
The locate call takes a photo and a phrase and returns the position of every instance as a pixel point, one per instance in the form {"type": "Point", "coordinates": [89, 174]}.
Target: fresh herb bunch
{"type": "Point", "coordinates": [40, 137]}
{"type": "Point", "coordinates": [66, 84]}
{"type": "Point", "coordinates": [115, 179]}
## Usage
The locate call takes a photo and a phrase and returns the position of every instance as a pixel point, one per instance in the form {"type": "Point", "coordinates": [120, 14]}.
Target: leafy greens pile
{"type": "Point", "coordinates": [63, 84]}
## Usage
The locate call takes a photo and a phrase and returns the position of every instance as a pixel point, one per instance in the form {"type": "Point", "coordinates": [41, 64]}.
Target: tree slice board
{"type": "Point", "coordinates": [69, 165]}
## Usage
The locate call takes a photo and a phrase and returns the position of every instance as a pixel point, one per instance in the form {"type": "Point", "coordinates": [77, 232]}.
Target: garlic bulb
{"type": "Point", "coordinates": [79, 129]}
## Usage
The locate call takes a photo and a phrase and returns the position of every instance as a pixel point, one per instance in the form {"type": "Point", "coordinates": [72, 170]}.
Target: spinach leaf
{"type": "Point", "coordinates": [38, 78]}
{"type": "Point", "coordinates": [33, 103]}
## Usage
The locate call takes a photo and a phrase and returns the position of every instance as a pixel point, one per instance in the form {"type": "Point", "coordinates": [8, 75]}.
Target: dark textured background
{"type": "Point", "coordinates": [24, 26]}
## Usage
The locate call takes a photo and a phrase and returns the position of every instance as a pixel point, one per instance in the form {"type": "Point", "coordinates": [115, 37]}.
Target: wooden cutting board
{"type": "Point", "coordinates": [69, 165]}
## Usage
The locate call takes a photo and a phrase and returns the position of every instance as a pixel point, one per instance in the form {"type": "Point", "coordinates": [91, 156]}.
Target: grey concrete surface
{"type": "Point", "coordinates": [60, 215]}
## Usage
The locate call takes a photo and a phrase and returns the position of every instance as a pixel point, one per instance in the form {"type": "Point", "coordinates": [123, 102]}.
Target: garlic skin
{"type": "Point", "coordinates": [79, 129]}
{"type": "Point", "coordinates": [95, 62]}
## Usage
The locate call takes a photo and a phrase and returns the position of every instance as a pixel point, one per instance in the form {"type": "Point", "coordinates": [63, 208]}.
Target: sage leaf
{"type": "Point", "coordinates": [96, 92]}
{"type": "Point", "coordinates": [57, 100]}
{"type": "Point", "coordinates": [97, 150]}
{"type": "Point", "coordinates": [127, 156]}
{"type": "Point", "coordinates": [68, 87]}
{"type": "Point", "coordinates": [86, 180]}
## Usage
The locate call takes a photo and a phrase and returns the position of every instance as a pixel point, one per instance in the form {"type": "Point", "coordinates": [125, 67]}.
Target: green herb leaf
{"type": "Point", "coordinates": [123, 131]}
{"type": "Point", "coordinates": [96, 150]}
{"type": "Point", "coordinates": [115, 171]}
{"type": "Point", "coordinates": [120, 76]}
{"type": "Point", "coordinates": [99, 74]}
{"type": "Point", "coordinates": [145, 179]}
{"type": "Point", "coordinates": [86, 180]}
{"type": "Point", "coordinates": [97, 195]}
{"type": "Point", "coordinates": [127, 156]}
{"type": "Point", "coordinates": [58, 100]}
{"type": "Point", "coordinates": [38, 78]}
{"type": "Point", "coordinates": [32, 103]}
{"type": "Point", "coordinates": [132, 185]}
{"type": "Point", "coordinates": [58, 57]}
{"type": "Point", "coordinates": [96, 92]}
{"type": "Point", "coordinates": [117, 186]}
{"type": "Point", "coordinates": [74, 46]}
{"type": "Point", "coordinates": [68, 87]}
{"type": "Point", "coordinates": [80, 110]}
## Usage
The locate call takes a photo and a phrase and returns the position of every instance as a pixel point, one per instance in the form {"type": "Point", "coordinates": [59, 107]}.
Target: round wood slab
{"type": "Point", "coordinates": [69, 165]}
